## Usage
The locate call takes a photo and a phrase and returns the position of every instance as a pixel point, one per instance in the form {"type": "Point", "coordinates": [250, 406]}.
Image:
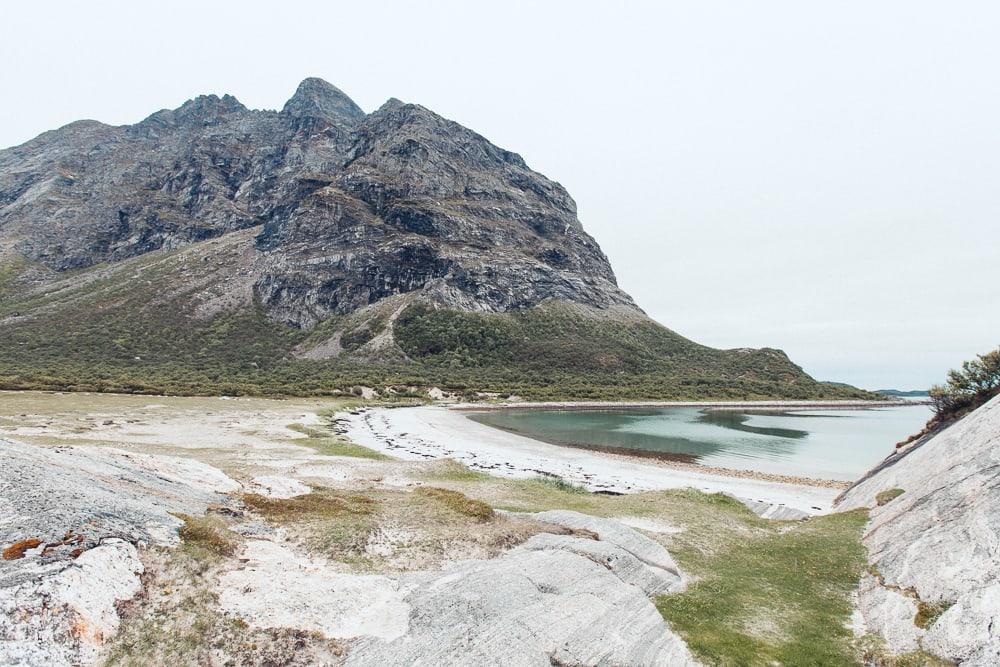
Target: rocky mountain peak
{"type": "Point", "coordinates": [202, 110]}
{"type": "Point", "coordinates": [319, 99]}
{"type": "Point", "coordinates": [351, 208]}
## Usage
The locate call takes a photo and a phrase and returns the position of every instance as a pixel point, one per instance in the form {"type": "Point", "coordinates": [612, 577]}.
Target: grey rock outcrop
{"type": "Point", "coordinates": [95, 493]}
{"type": "Point", "coordinates": [86, 512]}
{"type": "Point", "coordinates": [315, 98]}
{"type": "Point", "coordinates": [350, 207]}
{"type": "Point", "coordinates": [70, 518]}
{"type": "Point", "coordinates": [555, 600]}
{"type": "Point", "coordinates": [969, 631]}
{"type": "Point", "coordinates": [651, 554]}
{"type": "Point", "coordinates": [937, 545]}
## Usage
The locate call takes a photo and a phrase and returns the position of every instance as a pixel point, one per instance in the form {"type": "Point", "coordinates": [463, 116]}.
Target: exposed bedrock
{"type": "Point", "coordinates": [934, 543]}
{"type": "Point", "coordinates": [75, 523]}
{"type": "Point", "coordinates": [554, 600]}
{"type": "Point", "coordinates": [70, 521]}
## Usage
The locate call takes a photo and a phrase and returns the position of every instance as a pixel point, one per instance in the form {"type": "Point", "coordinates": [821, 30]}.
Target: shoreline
{"type": "Point", "coordinates": [676, 462]}
{"type": "Point", "coordinates": [435, 432]}
{"type": "Point", "coordinates": [720, 405]}
{"type": "Point", "coordinates": [735, 472]}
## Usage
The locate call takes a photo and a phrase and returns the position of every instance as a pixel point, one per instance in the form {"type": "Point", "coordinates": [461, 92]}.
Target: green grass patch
{"type": "Point", "coordinates": [332, 445]}
{"type": "Point", "coordinates": [450, 470]}
{"type": "Point", "coordinates": [929, 612]}
{"type": "Point", "coordinates": [558, 484]}
{"type": "Point", "coordinates": [883, 497]}
{"type": "Point", "coordinates": [780, 597]}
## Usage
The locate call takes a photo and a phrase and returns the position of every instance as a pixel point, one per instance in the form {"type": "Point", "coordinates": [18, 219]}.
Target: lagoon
{"type": "Point", "coordinates": [837, 444]}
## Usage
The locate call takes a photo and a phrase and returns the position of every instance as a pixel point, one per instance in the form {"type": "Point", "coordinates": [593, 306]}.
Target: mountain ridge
{"type": "Point", "coordinates": [393, 179]}
{"type": "Point", "coordinates": [326, 227]}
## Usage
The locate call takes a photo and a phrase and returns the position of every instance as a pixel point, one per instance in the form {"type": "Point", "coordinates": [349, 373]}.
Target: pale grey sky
{"type": "Point", "coordinates": [816, 176]}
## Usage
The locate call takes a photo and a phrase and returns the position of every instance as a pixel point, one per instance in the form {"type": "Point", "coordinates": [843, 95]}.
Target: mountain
{"type": "Point", "coordinates": [218, 248]}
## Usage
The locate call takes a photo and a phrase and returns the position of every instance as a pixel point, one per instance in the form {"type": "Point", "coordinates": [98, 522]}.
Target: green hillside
{"type": "Point", "coordinates": [142, 326]}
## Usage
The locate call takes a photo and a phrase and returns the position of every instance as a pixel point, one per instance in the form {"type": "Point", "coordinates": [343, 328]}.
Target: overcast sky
{"type": "Point", "coordinates": [822, 177]}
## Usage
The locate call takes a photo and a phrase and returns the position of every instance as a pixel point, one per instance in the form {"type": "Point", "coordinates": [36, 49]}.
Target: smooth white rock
{"type": "Point", "coordinates": [608, 530]}
{"type": "Point", "coordinates": [280, 589]}
{"type": "Point", "coordinates": [556, 599]}
{"type": "Point", "coordinates": [648, 525]}
{"type": "Point", "coordinates": [529, 607]}
{"type": "Point", "coordinates": [889, 614]}
{"type": "Point", "coordinates": [624, 565]}
{"type": "Point", "coordinates": [969, 631]}
{"type": "Point", "coordinates": [941, 537]}
{"type": "Point", "coordinates": [58, 604]}
{"type": "Point", "coordinates": [63, 614]}
{"type": "Point", "coordinates": [276, 486]}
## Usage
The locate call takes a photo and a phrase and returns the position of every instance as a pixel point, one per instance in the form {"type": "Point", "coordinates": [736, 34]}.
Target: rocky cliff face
{"type": "Point", "coordinates": [348, 207]}
{"type": "Point", "coordinates": [934, 543]}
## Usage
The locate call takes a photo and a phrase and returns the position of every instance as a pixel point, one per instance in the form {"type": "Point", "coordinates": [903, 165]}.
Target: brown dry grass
{"type": "Point", "coordinates": [320, 504]}
{"type": "Point", "coordinates": [929, 612]}
{"type": "Point", "coordinates": [208, 533]}
{"type": "Point", "coordinates": [456, 501]}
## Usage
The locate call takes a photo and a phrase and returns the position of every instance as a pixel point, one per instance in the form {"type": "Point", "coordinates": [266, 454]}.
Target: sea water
{"type": "Point", "coordinates": [824, 444]}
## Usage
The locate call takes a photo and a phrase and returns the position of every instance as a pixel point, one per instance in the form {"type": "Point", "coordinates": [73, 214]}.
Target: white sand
{"type": "Point", "coordinates": [428, 432]}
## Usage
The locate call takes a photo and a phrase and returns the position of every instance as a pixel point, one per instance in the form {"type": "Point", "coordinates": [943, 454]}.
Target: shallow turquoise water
{"type": "Point", "coordinates": [825, 444]}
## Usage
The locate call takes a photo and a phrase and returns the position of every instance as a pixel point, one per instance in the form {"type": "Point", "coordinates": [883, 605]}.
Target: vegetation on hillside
{"type": "Point", "coordinates": [138, 329]}
{"type": "Point", "coordinates": [968, 387]}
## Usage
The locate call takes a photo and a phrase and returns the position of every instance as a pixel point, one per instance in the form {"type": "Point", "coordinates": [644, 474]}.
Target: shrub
{"type": "Point", "coordinates": [113, 333]}
{"type": "Point", "coordinates": [975, 383]}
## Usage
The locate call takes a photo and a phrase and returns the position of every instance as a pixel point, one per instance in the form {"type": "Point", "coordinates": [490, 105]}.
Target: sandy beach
{"type": "Point", "coordinates": [719, 405]}
{"type": "Point", "coordinates": [433, 432]}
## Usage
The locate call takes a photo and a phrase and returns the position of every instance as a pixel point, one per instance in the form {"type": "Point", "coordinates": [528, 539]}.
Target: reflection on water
{"type": "Point", "coordinates": [738, 422]}
{"type": "Point", "coordinates": [829, 444]}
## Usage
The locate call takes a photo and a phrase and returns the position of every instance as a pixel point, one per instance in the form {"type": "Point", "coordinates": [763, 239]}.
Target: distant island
{"type": "Point", "coordinates": [913, 393]}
